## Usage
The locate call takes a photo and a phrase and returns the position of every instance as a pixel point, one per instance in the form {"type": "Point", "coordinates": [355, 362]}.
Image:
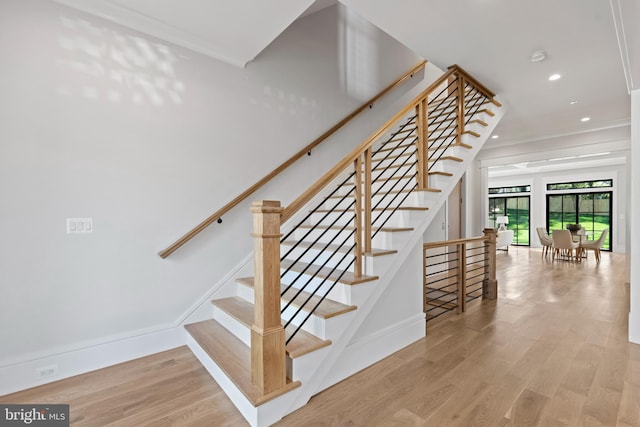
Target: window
{"type": "Point", "coordinates": [592, 210]}
{"type": "Point", "coordinates": [516, 189]}
{"type": "Point", "coordinates": [603, 183]}
{"type": "Point", "coordinates": [516, 208]}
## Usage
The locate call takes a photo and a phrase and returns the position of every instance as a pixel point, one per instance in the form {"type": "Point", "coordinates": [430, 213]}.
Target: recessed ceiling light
{"type": "Point", "coordinates": [495, 137]}
{"type": "Point", "coordinates": [538, 56]}
{"type": "Point", "coordinates": [585, 119]}
{"type": "Point", "coordinates": [554, 77]}
{"type": "Point", "coordinates": [573, 102]}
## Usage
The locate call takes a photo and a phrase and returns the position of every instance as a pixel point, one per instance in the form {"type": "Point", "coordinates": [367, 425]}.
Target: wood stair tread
{"type": "Point", "coordinates": [399, 208]}
{"type": "Point", "coordinates": [234, 359]}
{"type": "Point", "coordinates": [351, 228]}
{"type": "Point", "coordinates": [243, 311]}
{"type": "Point", "coordinates": [453, 158]}
{"type": "Point", "coordinates": [472, 133]}
{"type": "Point", "coordinates": [461, 145]}
{"type": "Point", "coordinates": [440, 173]}
{"type": "Point", "coordinates": [394, 166]}
{"type": "Point", "coordinates": [337, 248]}
{"type": "Point", "coordinates": [386, 193]}
{"type": "Point", "coordinates": [384, 148]}
{"type": "Point", "coordinates": [326, 310]}
{"type": "Point", "coordinates": [392, 178]}
{"type": "Point", "coordinates": [347, 278]}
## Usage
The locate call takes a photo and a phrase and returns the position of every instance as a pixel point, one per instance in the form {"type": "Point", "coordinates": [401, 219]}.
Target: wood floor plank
{"type": "Point", "coordinates": [563, 409]}
{"type": "Point", "coordinates": [629, 411]}
{"type": "Point", "coordinates": [527, 409]}
{"type": "Point", "coordinates": [552, 350]}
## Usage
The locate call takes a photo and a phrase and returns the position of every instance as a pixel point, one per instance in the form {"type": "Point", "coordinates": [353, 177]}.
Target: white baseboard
{"type": "Point", "coordinates": [23, 375]}
{"type": "Point", "coordinates": [634, 327]}
{"type": "Point", "coordinates": [374, 347]}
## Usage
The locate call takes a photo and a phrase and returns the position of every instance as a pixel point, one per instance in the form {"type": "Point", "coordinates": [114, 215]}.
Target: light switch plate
{"type": "Point", "coordinates": [79, 225]}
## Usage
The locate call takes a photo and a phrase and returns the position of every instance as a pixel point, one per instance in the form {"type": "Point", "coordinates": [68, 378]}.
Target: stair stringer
{"type": "Point", "coordinates": [328, 373]}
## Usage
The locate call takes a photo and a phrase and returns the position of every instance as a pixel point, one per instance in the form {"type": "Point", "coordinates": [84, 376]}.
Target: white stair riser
{"type": "Point", "coordinates": [242, 332]}
{"type": "Point", "coordinates": [390, 240]}
{"type": "Point", "coordinates": [400, 218]}
{"type": "Point", "coordinates": [325, 329]}
{"type": "Point", "coordinates": [342, 293]}
{"type": "Point", "coordinates": [328, 259]}
{"type": "Point", "coordinates": [304, 367]}
{"type": "Point", "coordinates": [447, 150]}
{"type": "Point", "coordinates": [389, 182]}
{"type": "Point", "coordinates": [393, 166]}
{"type": "Point", "coordinates": [439, 181]}
{"type": "Point", "coordinates": [318, 285]}
{"type": "Point", "coordinates": [334, 236]}
{"type": "Point", "coordinates": [390, 190]}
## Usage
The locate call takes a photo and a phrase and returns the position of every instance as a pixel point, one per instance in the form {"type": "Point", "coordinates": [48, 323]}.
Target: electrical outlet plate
{"type": "Point", "coordinates": [46, 371]}
{"type": "Point", "coordinates": [79, 225]}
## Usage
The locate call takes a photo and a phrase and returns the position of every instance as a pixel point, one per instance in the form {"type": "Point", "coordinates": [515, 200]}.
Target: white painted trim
{"type": "Point", "coordinates": [616, 11]}
{"type": "Point", "coordinates": [71, 362]}
{"type": "Point", "coordinates": [372, 348]}
{"type": "Point", "coordinates": [634, 327]}
{"type": "Point", "coordinates": [189, 316]}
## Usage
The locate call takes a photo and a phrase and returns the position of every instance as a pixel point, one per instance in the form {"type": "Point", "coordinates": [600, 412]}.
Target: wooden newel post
{"type": "Point", "coordinates": [490, 284]}
{"type": "Point", "coordinates": [268, 359]}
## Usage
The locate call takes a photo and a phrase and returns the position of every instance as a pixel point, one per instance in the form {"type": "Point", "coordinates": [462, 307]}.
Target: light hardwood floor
{"type": "Point", "coordinates": [551, 351]}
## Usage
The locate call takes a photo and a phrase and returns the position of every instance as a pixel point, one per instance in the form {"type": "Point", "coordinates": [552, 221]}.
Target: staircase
{"type": "Point", "coordinates": [343, 246]}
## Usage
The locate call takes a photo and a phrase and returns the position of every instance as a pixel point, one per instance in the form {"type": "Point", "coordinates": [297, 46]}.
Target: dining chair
{"type": "Point", "coordinates": [563, 245]}
{"type": "Point", "coordinates": [545, 240]}
{"type": "Point", "coordinates": [595, 245]}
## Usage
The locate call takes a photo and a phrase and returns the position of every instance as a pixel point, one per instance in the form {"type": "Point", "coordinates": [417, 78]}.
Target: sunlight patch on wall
{"type": "Point", "coordinates": [358, 55]}
{"type": "Point", "coordinates": [108, 65]}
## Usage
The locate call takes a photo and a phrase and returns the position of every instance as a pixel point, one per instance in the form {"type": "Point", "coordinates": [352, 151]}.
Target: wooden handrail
{"type": "Point", "coordinates": [468, 77]}
{"type": "Point", "coordinates": [453, 242]}
{"type": "Point", "coordinates": [233, 203]}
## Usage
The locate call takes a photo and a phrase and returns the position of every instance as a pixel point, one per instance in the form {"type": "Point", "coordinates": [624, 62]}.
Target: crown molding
{"type": "Point", "coordinates": [143, 23]}
{"type": "Point", "coordinates": [621, 33]}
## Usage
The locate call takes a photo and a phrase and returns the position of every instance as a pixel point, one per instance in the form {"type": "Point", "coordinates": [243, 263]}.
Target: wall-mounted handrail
{"type": "Point", "coordinates": [216, 216]}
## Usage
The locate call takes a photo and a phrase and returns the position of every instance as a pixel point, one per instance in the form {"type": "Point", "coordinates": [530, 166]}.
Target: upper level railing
{"type": "Point", "coordinates": [456, 272]}
{"type": "Point", "coordinates": [217, 216]}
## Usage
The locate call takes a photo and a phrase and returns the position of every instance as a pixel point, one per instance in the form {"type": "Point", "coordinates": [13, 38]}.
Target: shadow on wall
{"type": "Point", "coordinates": [101, 63]}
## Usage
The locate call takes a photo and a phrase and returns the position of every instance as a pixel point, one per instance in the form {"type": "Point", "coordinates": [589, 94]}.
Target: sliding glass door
{"type": "Point", "coordinates": [517, 210]}
{"type": "Point", "coordinates": [591, 210]}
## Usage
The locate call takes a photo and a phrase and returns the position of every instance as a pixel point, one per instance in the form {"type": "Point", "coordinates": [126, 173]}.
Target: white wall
{"type": "Point", "coordinates": [634, 314]}
{"type": "Point", "coordinates": [148, 139]}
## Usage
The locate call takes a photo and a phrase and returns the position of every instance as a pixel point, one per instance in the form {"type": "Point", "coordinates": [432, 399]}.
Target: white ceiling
{"type": "Point", "coordinates": [491, 39]}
